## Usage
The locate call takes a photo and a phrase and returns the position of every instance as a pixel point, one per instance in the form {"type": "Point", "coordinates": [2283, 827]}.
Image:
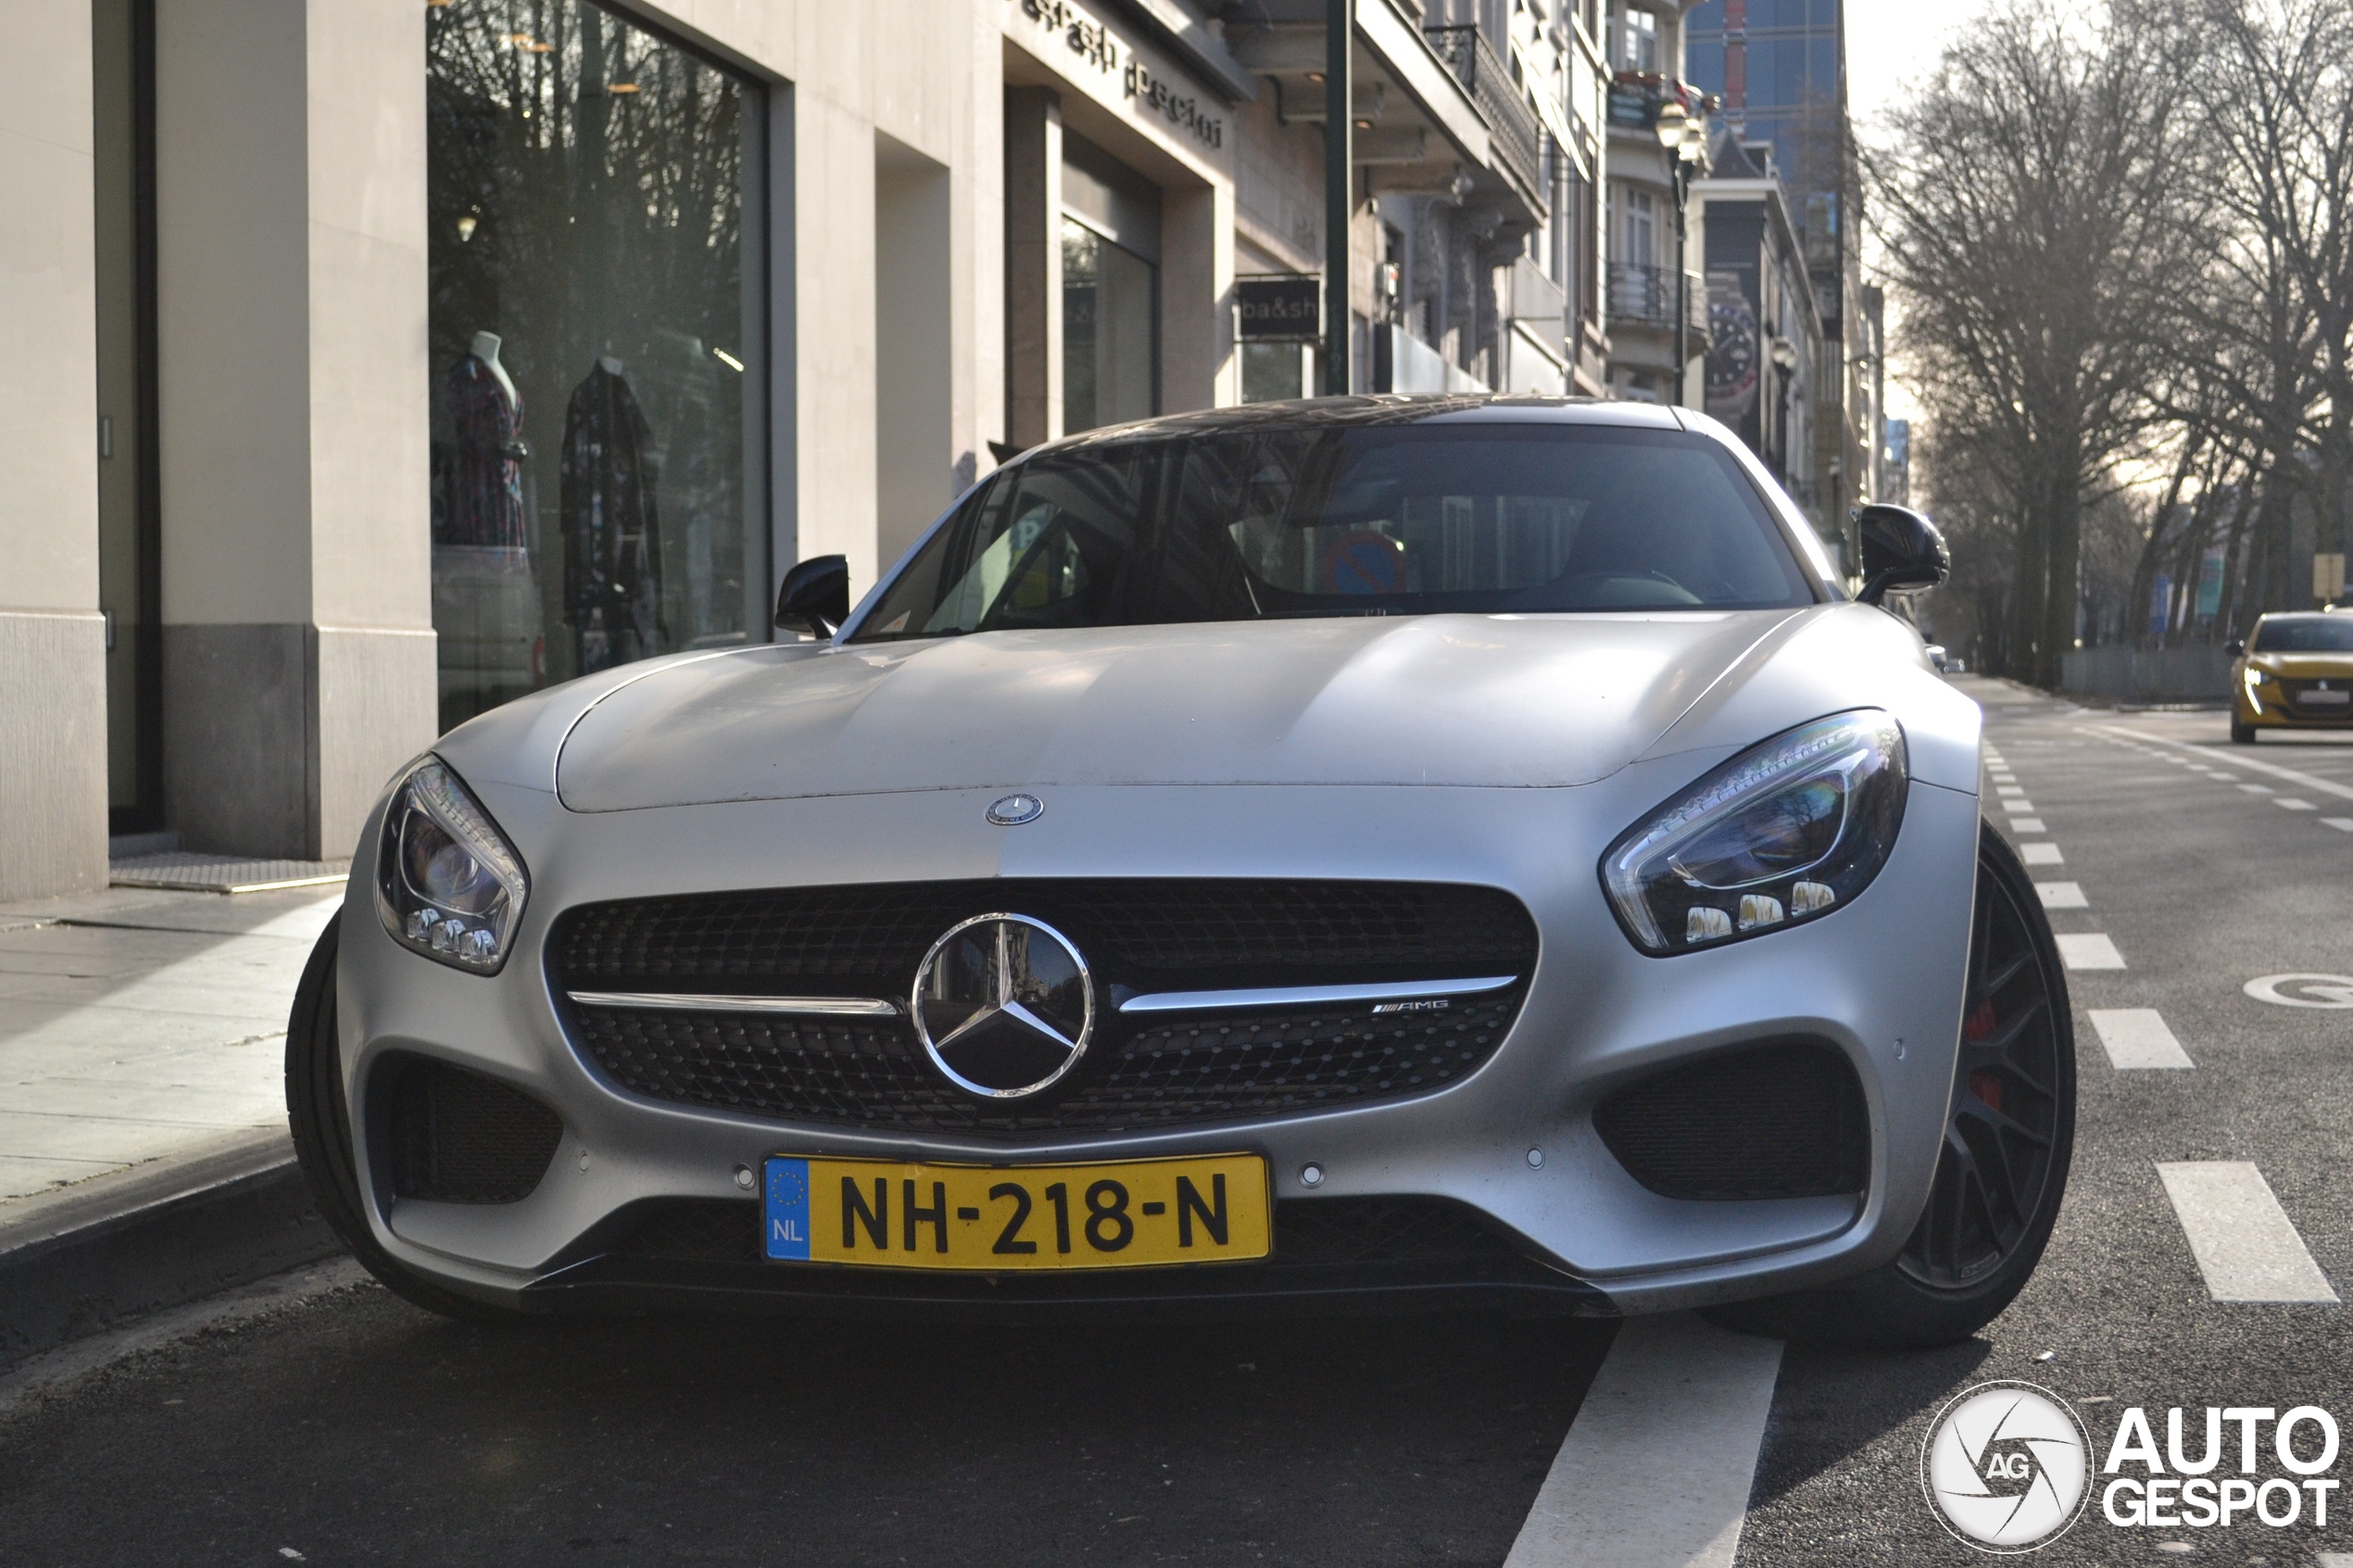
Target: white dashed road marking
{"type": "Point", "coordinates": [2009, 789]}
{"type": "Point", "coordinates": [1656, 1471]}
{"type": "Point", "coordinates": [2245, 1244]}
{"type": "Point", "coordinates": [2342, 825]}
{"type": "Point", "coordinates": [2062, 894]}
{"type": "Point", "coordinates": [2040, 854]}
{"type": "Point", "coordinates": [2135, 1038]}
{"type": "Point", "coordinates": [2258, 789]}
{"type": "Point", "coordinates": [2027, 824]}
{"type": "Point", "coordinates": [2090, 949]}
{"type": "Point", "coordinates": [2289, 803]}
{"type": "Point", "coordinates": [2288, 775]}
{"type": "Point", "coordinates": [2016, 806]}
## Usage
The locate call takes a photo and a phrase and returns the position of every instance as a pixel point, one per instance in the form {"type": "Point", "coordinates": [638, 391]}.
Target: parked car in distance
{"type": "Point", "coordinates": [2292, 670]}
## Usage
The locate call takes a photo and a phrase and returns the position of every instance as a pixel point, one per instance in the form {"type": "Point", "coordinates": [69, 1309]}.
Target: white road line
{"type": "Point", "coordinates": [2009, 789]}
{"type": "Point", "coordinates": [2289, 803]}
{"type": "Point", "coordinates": [2027, 824]}
{"type": "Point", "coordinates": [1656, 1469]}
{"type": "Point", "coordinates": [2336, 1560]}
{"type": "Point", "coordinates": [2089, 949]}
{"type": "Point", "coordinates": [2136, 1039]}
{"type": "Point", "coordinates": [2041, 854]}
{"type": "Point", "coordinates": [2016, 806]}
{"type": "Point", "coordinates": [2062, 894]}
{"type": "Point", "coordinates": [2258, 789]}
{"type": "Point", "coordinates": [2245, 1244]}
{"type": "Point", "coordinates": [2342, 825]}
{"type": "Point", "coordinates": [2325, 787]}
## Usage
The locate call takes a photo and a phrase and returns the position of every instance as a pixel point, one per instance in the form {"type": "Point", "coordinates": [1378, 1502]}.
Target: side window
{"type": "Point", "coordinates": [1033, 568]}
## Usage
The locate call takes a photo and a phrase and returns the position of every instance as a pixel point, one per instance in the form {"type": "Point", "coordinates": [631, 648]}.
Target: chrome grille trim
{"type": "Point", "coordinates": [802, 1007]}
{"type": "Point", "coordinates": [1313, 995]}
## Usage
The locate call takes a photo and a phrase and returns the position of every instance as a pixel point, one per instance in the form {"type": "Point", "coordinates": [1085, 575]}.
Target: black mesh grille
{"type": "Point", "coordinates": [872, 1073]}
{"type": "Point", "coordinates": [1307, 1231]}
{"type": "Point", "coordinates": [2310, 699]}
{"type": "Point", "coordinates": [1139, 936]}
{"type": "Point", "coordinates": [1147, 933]}
{"type": "Point", "coordinates": [1778, 1121]}
{"type": "Point", "coordinates": [456, 1136]}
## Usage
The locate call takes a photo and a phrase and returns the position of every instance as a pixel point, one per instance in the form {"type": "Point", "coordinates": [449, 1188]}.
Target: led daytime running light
{"type": "Point", "coordinates": [1782, 834]}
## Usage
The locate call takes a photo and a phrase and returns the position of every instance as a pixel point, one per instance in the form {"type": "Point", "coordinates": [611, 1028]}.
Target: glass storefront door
{"type": "Point", "coordinates": [1111, 359]}
{"type": "Point", "coordinates": [1111, 289]}
{"type": "Point", "coordinates": [598, 314]}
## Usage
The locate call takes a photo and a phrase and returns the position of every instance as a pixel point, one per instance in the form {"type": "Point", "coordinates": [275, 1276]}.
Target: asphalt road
{"type": "Point", "coordinates": [348, 1427]}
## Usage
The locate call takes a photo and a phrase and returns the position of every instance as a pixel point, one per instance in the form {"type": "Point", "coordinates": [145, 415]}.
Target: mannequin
{"type": "Point", "coordinates": [485, 347]}
{"type": "Point", "coordinates": [481, 501]}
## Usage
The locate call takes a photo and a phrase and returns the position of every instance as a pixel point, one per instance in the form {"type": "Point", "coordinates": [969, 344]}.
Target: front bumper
{"type": "Point", "coordinates": [1881, 982]}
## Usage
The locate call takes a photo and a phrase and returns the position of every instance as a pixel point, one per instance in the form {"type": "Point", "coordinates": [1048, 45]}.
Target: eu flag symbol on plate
{"type": "Point", "coordinates": [784, 1218]}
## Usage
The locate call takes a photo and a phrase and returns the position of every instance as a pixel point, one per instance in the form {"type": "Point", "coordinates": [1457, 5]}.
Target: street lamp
{"type": "Point", "coordinates": [1784, 357]}
{"type": "Point", "coordinates": [1680, 135]}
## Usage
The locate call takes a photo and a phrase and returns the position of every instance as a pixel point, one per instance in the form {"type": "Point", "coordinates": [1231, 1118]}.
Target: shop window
{"type": "Point", "coordinates": [1110, 347]}
{"type": "Point", "coordinates": [1273, 371]}
{"type": "Point", "coordinates": [596, 322]}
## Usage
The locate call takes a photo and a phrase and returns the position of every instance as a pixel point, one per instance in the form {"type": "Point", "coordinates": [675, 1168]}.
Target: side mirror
{"type": "Point", "coordinates": [815, 596]}
{"type": "Point", "coordinates": [2235, 648]}
{"type": "Point", "coordinates": [1901, 552]}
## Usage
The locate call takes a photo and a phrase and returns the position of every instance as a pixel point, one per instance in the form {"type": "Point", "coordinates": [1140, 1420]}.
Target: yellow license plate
{"type": "Point", "coordinates": [1134, 1214]}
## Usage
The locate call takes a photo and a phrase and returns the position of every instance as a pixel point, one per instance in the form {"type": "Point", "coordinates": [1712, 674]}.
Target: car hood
{"type": "Point", "coordinates": [1492, 700]}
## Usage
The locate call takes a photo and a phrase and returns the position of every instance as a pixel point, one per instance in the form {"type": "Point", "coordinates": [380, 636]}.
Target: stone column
{"type": "Point", "coordinates": [298, 646]}
{"type": "Point", "coordinates": [52, 694]}
{"type": "Point", "coordinates": [1033, 266]}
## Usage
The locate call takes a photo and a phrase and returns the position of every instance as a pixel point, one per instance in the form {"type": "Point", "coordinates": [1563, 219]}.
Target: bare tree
{"type": "Point", "coordinates": [2033, 212]}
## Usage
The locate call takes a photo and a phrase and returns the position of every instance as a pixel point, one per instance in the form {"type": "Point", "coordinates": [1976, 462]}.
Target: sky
{"type": "Point", "coordinates": [1891, 43]}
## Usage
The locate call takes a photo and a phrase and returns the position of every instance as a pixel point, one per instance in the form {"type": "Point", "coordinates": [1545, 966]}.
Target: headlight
{"type": "Point", "coordinates": [447, 884]}
{"type": "Point", "coordinates": [1784, 833]}
{"type": "Point", "coordinates": [2255, 679]}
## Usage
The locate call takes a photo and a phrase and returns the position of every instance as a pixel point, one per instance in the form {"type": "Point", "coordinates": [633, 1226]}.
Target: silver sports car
{"type": "Point", "coordinates": [1374, 851]}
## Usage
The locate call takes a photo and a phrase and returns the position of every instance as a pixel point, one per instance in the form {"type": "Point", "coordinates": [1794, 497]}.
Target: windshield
{"type": "Point", "coordinates": [1359, 521]}
{"type": "Point", "coordinates": [2329, 634]}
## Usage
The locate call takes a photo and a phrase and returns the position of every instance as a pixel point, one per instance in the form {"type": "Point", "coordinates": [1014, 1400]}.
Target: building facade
{"type": "Point", "coordinates": [1765, 344]}
{"type": "Point", "coordinates": [419, 389]}
{"type": "Point", "coordinates": [1780, 69]}
{"type": "Point", "coordinates": [1649, 285]}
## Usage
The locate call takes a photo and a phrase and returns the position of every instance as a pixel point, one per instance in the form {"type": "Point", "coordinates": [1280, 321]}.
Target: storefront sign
{"type": "Point", "coordinates": [1094, 42]}
{"type": "Point", "coordinates": [1280, 309]}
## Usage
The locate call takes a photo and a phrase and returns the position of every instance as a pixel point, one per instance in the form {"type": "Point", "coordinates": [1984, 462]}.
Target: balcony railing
{"type": "Point", "coordinates": [1645, 297]}
{"type": "Point", "coordinates": [1517, 138]}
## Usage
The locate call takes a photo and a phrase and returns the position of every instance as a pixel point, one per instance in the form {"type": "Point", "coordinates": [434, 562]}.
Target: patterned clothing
{"type": "Point", "coordinates": [482, 484]}
{"type": "Point", "coordinates": [612, 542]}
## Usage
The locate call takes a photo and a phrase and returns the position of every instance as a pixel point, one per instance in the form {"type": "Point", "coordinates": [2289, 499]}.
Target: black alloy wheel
{"type": "Point", "coordinates": [2009, 1137]}
{"type": "Point", "coordinates": [2013, 1100]}
{"type": "Point", "coordinates": [319, 1118]}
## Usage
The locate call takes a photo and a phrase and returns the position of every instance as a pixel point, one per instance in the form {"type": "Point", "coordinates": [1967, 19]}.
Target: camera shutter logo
{"type": "Point", "coordinates": [2007, 1466]}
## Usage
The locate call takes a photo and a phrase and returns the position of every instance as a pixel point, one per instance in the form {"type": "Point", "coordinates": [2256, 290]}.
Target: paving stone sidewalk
{"type": "Point", "coordinates": [140, 1026]}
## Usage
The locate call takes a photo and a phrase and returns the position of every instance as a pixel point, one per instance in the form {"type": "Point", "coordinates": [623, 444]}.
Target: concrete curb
{"type": "Point", "coordinates": [76, 1261]}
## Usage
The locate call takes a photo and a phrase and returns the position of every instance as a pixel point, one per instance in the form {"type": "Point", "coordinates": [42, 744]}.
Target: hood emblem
{"type": "Point", "coordinates": [1014, 810]}
{"type": "Point", "coordinates": [1003, 1005]}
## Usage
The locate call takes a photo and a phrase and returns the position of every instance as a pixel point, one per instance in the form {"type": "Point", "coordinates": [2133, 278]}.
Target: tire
{"type": "Point", "coordinates": [320, 1120]}
{"type": "Point", "coordinates": [2008, 1139]}
{"type": "Point", "coordinates": [2242, 734]}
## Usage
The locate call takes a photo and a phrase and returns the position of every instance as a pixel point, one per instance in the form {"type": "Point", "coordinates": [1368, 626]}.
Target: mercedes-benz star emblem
{"type": "Point", "coordinates": [1015, 809]}
{"type": "Point", "coordinates": [1003, 1005]}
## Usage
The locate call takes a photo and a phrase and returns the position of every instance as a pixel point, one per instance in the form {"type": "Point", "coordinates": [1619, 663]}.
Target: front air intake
{"type": "Point", "coordinates": [1784, 1119]}
{"type": "Point", "coordinates": [456, 1136]}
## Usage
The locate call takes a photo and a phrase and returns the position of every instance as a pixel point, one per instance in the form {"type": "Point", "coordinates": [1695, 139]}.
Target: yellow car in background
{"type": "Point", "coordinates": [2294, 670]}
